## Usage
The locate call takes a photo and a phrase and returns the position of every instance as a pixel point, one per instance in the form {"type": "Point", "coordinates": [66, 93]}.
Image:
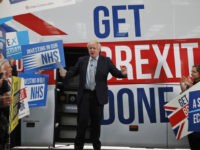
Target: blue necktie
{"type": "Point", "coordinates": [92, 70]}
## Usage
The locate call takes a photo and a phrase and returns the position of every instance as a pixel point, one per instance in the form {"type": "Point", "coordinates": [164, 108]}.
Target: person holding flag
{"type": "Point", "coordinates": [185, 83]}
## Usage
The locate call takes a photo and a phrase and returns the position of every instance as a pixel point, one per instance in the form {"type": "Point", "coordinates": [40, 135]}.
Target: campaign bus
{"type": "Point", "coordinates": [157, 41]}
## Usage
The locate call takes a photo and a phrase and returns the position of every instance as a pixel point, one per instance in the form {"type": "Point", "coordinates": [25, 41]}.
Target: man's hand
{"type": "Point", "coordinates": [123, 70]}
{"type": "Point", "coordinates": [5, 100]}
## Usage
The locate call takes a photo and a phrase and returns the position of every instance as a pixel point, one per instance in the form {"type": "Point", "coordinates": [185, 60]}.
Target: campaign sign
{"type": "Point", "coordinates": [36, 88]}
{"type": "Point", "coordinates": [43, 56]}
{"type": "Point", "coordinates": [14, 40]}
{"type": "Point", "coordinates": [24, 108]}
{"type": "Point", "coordinates": [194, 111]}
{"type": "Point", "coordinates": [15, 92]}
{"type": "Point", "coordinates": [23, 102]}
{"type": "Point", "coordinates": [2, 41]}
{"type": "Point", "coordinates": [177, 113]}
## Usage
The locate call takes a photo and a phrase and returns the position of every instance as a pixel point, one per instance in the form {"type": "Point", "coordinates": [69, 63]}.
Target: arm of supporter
{"type": "Point", "coordinates": [39, 72]}
{"type": "Point", "coordinates": [182, 84]}
{"type": "Point", "coordinates": [1, 56]}
{"type": "Point", "coordinates": [185, 83]}
{"type": "Point", "coordinates": [5, 100]}
{"type": "Point", "coordinates": [189, 82]}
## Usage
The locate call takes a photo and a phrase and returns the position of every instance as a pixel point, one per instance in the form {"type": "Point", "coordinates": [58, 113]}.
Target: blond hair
{"type": "Point", "coordinates": [94, 42]}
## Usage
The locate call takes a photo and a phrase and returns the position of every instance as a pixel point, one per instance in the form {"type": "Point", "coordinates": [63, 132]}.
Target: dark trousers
{"type": "Point", "coordinates": [15, 138]}
{"type": "Point", "coordinates": [89, 110]}
{"type": "Point", "coordinates": [194, 140]}
{"type": "Point", "coordinates": [3, 128]}
{"type": "Point", "coordinates": [3, 140]}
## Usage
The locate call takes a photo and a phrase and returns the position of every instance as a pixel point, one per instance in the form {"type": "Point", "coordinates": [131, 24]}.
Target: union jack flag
{"type": "Point", "coordinates": [177, 113]}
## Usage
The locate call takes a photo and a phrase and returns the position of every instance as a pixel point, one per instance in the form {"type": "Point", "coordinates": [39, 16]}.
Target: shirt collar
{"type": "Point", "coordinates": [94, 58]}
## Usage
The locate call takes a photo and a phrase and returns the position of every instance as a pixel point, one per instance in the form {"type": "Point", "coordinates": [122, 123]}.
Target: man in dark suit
{"type": "Point", "coordinates": [93, 91]}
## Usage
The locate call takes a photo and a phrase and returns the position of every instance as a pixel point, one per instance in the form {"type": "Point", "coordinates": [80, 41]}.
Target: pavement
{"type": "Point", "coordinates": [69, 146]}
